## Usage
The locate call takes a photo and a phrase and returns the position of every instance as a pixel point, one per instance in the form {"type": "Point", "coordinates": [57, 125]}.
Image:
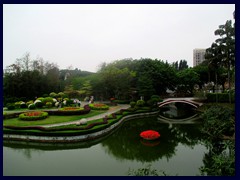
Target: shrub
{"type": "Point", "coordinates": [23, 105]}
{"type": "Point", "coordinates": [18, 104]}
{"type": "Point", "coordinates": [221, 97]}
{"type": "Point", "coordinates": [39, 104]}
{"type": "Point", "coordinates": [69, 102]}
{"type": "Point", "coordinates": [11, 106]}
{"type": "Point", "coordinates": [60, 94]}
{"type": "Point", "coordinates": [140, 103]}
{"type": "Point", "coordinates": [40, 98]}
{"type": "Point", "coordinates": [49, 104]}
{"type": "Point", "coordinates": [29, 102]}
{"type": "Point", "coordinates": [47, 99]}
{"type": "Point", "coordinates": [53, 94]}
{"type": "Point", "coordinates": [132, 104]}
{"type": "Point", "coordinates": [31, 116]}
{"type": "Point", "coordinates": [217, 121]}
{"type": "Point", "coordinates": [31, 106]}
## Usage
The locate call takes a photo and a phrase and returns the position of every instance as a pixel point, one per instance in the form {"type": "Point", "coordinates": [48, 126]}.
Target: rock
{"type": "Point", "coordinates": [83, 121]}
{"type": "Point", "coordinates": [78, 123]}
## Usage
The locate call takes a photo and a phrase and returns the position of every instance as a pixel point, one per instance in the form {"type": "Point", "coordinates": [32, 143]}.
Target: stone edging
{"type": "Point", "coordinates": [77, 138]}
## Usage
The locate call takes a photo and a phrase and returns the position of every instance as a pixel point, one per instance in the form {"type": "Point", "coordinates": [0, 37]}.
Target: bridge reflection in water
{"type": "Point", "coordinates": [178, 110]}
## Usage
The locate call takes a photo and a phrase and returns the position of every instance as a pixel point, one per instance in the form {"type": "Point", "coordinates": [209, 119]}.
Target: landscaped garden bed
{"type": "Point", "coordinates": [73, 129]}
{"type": "Point", "coordinates": [99, 106]}
{"type": "Point", "coordinates": [32, 116]}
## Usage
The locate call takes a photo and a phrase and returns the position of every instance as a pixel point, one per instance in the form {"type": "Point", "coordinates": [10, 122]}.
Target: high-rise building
{"type": "Point", "coordinates": [198, 56]}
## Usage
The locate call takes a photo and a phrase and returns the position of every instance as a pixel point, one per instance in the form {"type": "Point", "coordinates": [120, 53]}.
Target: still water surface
{"type": "Point", "coordinates": [178, 151]}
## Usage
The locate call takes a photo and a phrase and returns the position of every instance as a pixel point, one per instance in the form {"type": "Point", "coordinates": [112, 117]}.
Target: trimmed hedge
{"type": "Point", "coordinates": [221, 97]}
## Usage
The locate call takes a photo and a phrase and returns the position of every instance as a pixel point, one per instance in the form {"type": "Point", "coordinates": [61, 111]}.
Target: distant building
{"type": "Point", "coordinates": [198, 56]}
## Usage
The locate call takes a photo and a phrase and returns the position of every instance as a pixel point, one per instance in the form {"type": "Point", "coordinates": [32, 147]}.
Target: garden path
{"type": "Point", "coordinates": [110, 111]}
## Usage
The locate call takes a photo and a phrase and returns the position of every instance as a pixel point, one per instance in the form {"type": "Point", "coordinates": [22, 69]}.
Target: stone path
{"type": "Point", "coordinates": [110, 111]}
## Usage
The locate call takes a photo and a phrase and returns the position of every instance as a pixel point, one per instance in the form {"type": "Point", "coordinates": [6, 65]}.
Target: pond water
{"type": "Point", "coordinates": [177, 111]}
{"type": "Point", "coordinates": [178, 151]}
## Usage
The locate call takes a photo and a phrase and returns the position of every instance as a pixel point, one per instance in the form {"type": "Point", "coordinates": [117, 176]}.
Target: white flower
{"type": "Point", "coordinates": [56, 104]}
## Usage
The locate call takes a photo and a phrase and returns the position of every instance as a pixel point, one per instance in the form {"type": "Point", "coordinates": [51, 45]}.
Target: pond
{"type": "Point", "coordinates": [178, 151]}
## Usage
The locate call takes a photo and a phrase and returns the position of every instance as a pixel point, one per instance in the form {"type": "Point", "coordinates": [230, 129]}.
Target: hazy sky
{"type": "Point", "coordinates": [84, 36]}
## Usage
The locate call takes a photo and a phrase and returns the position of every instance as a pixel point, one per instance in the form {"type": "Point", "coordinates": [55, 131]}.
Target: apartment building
{"type": "Point", "coordinates": [198, 56]}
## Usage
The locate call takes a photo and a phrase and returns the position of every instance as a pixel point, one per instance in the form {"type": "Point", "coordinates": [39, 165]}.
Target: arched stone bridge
{"type": "Point", "coordinates": [189, 101]}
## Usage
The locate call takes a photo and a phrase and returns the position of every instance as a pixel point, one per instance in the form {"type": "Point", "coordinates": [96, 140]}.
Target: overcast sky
{"type": "Point", "coordinates": [83, 36]}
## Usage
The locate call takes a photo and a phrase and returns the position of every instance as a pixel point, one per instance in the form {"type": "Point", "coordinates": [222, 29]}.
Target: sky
{"type": "Point", "coordinates": [84, 36]}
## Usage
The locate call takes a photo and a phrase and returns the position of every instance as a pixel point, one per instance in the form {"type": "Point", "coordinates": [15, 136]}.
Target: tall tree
{"type": "Point", "coordinates": [226, 42]}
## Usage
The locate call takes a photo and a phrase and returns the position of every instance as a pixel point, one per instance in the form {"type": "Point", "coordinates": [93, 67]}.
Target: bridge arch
{"type": "Point", "coordinates": [194, 104]}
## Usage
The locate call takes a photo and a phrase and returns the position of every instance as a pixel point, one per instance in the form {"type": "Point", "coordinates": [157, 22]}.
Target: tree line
{"type": "Point", "coordinates": [125, 78]}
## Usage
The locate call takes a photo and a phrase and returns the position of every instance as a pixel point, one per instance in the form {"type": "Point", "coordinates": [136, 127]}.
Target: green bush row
{"type": "Point", "coordinates": [220, 97]}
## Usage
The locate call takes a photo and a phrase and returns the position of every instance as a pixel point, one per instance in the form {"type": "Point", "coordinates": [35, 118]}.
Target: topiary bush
{"type": "Point", "coordinates": [49, 104]}
{"type": "Point", "coordinates": [18, 104]}
{"type": "Point", "coordinates": [38, 104]}
{"type": "Point", "coordinates": [31, 106]}
{"type": "Point", "coordinates": [140, 103]}
{"type": "Point", "coordinates": [23, 105]}
{"type": "Point", "coordinates": [47, 99]}
{"type": "Point", "coordinates": [29, 102]}
{"type": "Point", "coordinates": [132, 104]}
{"type": "Point", "coordinates": [10, 106]}
{"type": "Point", "coordinates": [40, 99]}
{"type": "Point", "coordinates": [32, 116]}
{"type": "Point", "coordinates": [53, 94]}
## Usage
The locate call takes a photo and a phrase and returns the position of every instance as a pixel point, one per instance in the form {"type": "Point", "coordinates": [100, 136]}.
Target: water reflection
{"type": "Point", "coordinates": [121, 150]}
{"type": "Point", "coordinates": [177, 111]}
{"type": "Point", "coordinates": [126, 143]}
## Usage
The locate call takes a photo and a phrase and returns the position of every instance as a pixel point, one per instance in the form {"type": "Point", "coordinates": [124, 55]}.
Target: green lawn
{"type": "Point", "coordinates": [50, 119]}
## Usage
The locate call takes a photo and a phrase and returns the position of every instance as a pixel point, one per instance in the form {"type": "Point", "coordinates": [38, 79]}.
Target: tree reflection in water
{"type": "Point", "coordinates": [126, 143]}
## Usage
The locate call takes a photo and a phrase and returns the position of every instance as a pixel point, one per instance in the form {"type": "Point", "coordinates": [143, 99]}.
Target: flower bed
{"type": "Point", "coordinates": [32, 116]}
{"type": "Point", "coordinates": [72, 111]}
{"type": "Point", "coordinates": [149, 135]}
{"type": "Point", "coordinates": [99, 106]}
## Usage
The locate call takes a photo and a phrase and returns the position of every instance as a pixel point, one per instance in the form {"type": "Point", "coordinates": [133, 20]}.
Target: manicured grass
{"type": "Point", "coordinates": [64, 129]}
{"type": "Point", "coordinates": [50, 120]}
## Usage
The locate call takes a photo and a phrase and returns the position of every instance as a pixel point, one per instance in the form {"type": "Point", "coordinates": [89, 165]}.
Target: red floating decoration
{"type": "Point", "coordinates": [149, 135]}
